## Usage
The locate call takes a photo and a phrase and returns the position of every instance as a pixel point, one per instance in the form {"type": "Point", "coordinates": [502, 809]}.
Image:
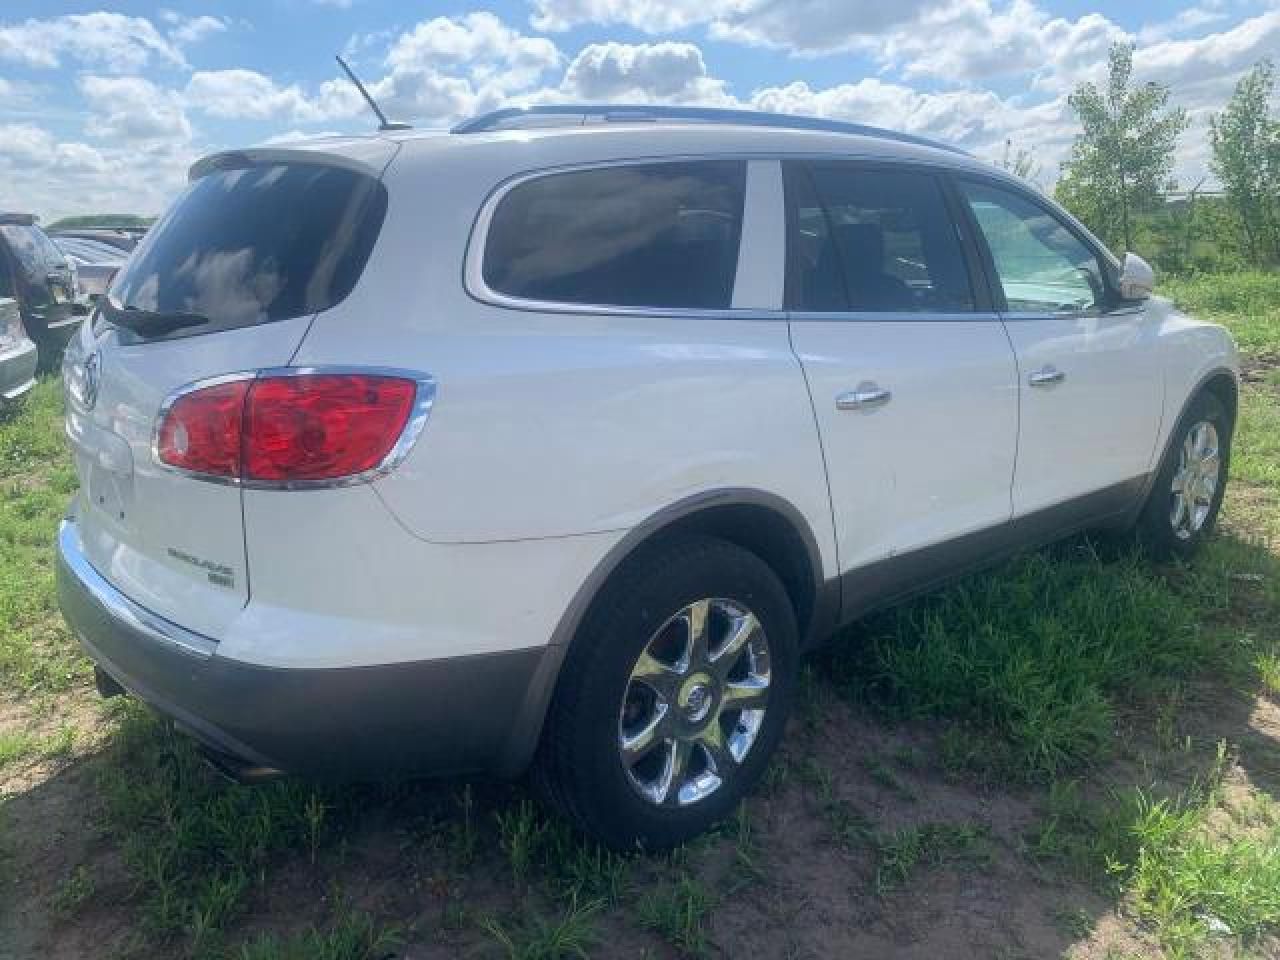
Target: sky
{"type": "Point", "coordinates": [103, 107]}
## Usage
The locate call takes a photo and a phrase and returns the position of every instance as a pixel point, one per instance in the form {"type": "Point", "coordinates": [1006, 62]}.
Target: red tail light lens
{"type": "Point", "coordinates": [283, 429]}
{"type": "Point", "coordinates": [201, 430]}
{"type": "Point", "coordinates": [322, 426]}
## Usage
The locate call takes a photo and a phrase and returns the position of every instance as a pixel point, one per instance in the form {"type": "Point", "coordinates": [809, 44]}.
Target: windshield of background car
{"type": "Point", "coordinates": [32, 250]}
{"type": "Point", "coordinates": [257, 244]}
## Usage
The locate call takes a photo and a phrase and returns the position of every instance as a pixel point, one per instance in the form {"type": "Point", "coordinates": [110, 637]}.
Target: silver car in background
{"type": "Point", "coordinates": [18, 355]}
{"type": "Point", "coordinates": [95, 262]}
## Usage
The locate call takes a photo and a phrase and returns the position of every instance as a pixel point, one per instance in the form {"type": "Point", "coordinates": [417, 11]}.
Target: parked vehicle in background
{"type": "Point", "coordinates": [123, 239]}
{"type": "Point", "coordinates": [96, 263]}
{"type": "Point", "coordinates": [44, 283]}
{"type": "Point", "coordinates": [557, 438]}
{"type": "Point", "coordinates": [18, 354]}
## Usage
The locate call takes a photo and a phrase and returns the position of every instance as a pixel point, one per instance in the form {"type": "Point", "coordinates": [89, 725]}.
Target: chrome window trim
{"type": "Point", "coordinates": [473, 260]}
{"type": "Point", "coordinates": [423, 401]}
{"type": "Point", "coordinates": [896, 316]}
{"type": "Point", "coordinates": [473, 267]}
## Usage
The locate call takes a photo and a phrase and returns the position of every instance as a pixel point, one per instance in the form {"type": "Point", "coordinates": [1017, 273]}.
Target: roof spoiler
{"type": "Point", "coordinates": [266, 156]}
{"type": "Point", "coordinates": [17, 219]}
{"type": "Point", "coordinates": [552, 115]}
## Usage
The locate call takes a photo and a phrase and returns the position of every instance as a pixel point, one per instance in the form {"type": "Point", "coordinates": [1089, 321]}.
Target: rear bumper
{"type": "Point", "coordinates": [445, 716]}
{"type": "Point", "coordinates": [17, 368]}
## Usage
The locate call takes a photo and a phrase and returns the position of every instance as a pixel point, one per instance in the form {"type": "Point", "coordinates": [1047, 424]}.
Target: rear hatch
{"type": "Point", "coordinates": [228, 281]}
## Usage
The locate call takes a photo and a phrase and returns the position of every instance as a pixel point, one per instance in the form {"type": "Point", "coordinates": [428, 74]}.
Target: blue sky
{"type": "Point", "coordinates": [103, 106]}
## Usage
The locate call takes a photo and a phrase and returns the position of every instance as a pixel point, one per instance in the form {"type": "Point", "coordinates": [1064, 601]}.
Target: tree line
{"type": "Point", "coordinates": [1118, 178]}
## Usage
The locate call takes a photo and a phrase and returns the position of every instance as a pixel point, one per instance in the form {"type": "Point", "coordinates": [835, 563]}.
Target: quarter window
{"type": "Point", "coordinates": [1042, 266]}
{"type": "Point", "coordinates": [646, 235]}
{"type": "Point", "coordinates": [875, 241]}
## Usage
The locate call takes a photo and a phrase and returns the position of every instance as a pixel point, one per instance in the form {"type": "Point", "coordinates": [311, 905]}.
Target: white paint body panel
{"type": "Point", "coordinates": [137, 518]}
{"type": "Point", "coordinates": [1098, 426]}
{"type": "Point", "coordinates": [338, 582]}
{"type": "Point", "coordinates": [934, 462]}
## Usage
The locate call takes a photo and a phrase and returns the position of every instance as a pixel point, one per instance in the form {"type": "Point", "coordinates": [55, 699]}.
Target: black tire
{"type": "Point", "coordinates": [1155, 528]}
{"type": "Point", "coordinates": [580, 768]}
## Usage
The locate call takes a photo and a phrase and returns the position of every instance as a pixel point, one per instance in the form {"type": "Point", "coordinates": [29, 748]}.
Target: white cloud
{"type": "Point", "coordinates": [1203, 71]}
{"type": "Point", "coordinates": [190, 30]}
{"type": "Point", "coordinates": [113, 41]}
{"type": "Point", "coordinates": [650, 16]}
{"type": "Point", "coordinates": [55, 179]}
{"type": "Point", "coordinates": [247, 94]}
{"type": "Point", "coordinates": [668, 72]}
{"type": "Point", "coordinates": [131, 110]}
{"type": "Point", "coordinates": [494, 56]}
{"type": "Point", "coordinates": [976, 119]}
{"type": "Point", "coordinates": [24, 143]}
{"type": "Point", "coordinates": [983, 42]}
{"type": "Point", "coordinates": [1185, 21]}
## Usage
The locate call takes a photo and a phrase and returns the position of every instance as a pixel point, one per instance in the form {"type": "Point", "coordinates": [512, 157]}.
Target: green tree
{"type": "Point", "coordinates": [1122, 160]}
{"type": "Point", "coordinates": [1246, 159]}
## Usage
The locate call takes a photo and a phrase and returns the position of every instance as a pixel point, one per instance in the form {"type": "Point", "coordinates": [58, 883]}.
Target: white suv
{"type": "Point", "coordinates": [557, 438]}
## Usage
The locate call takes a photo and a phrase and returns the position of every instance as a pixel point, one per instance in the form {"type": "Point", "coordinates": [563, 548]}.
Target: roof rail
{"type": "Point", "coordinates": [570, 114]}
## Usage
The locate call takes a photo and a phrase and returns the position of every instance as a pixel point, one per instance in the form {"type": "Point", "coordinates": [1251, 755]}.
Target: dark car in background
{"type": "Point", "coordinates": [43, 281]}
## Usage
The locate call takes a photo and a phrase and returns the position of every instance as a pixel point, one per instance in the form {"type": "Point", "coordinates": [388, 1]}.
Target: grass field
{"type": "Point", "coordinates": [1075, 754]}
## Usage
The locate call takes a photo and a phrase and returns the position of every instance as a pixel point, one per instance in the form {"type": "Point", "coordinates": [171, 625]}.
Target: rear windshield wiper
{"type": "Point", "coordinates": [149, 323]}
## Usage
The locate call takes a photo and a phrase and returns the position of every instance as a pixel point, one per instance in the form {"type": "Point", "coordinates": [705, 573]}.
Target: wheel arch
{"type": "Point", "coordinates": [760, 522]}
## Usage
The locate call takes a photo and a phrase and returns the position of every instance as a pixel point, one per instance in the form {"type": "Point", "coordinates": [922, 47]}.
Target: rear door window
{"type": "Point", "coordinates": [872, 240]}
{"type": "Point", "coordinates": [256, 244]}
{"type": "Point", "coordinates": [661, 235]}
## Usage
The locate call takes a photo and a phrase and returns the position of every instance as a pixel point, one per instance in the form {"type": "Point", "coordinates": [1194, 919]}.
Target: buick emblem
{"type": "Point", "coordinates": [92, 380]}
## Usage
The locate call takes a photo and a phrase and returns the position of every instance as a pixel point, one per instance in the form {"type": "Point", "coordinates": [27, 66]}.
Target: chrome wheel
{"type": "Point", "coordinates": [694, 703]}
{"type": "Point", "coordinates": [1196, 480]}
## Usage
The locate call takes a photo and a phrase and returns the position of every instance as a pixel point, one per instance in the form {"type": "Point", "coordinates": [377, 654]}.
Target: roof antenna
{"type": "Point", "coordinates": [383, 122]}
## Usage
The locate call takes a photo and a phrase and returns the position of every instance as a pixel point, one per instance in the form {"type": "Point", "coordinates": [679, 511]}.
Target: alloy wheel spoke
{"type": "Point", "coordinates": [749, 694]}
{"type": "Point", "coordinates": [698, 617]}
{"type": "Point", "coordinates": [636, 746]}
{"type": "Point", "coordinates": [721, 759]}
{"type": "Point", "coordinates": [741, 631]}
{"type": "Point", "coordinates": [1179, 510]}
{"type": "Point", "coordinates": [660, 677]}
{"type": "Point", "coordinates": [674, 770]}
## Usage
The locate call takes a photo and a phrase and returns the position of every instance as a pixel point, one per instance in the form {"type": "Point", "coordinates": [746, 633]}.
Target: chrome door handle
{"type": "Point", "coordinates": [1046, 376]}
{"type": "Point", "coordinates": [866, 397]}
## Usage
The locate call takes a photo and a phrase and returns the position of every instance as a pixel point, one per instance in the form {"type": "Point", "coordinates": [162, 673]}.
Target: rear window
{"type": "Point", "coordinates": [641, 235]}
{"type": "Point", "coordinates": [254, 245]}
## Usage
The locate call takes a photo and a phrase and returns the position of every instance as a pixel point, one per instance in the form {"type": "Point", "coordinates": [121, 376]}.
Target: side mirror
{"type": "Point", "coordinates": [1137, 279]}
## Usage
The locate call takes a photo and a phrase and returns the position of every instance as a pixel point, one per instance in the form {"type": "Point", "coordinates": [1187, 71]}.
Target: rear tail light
{"type": "Point", "coordinates": [287, 428]}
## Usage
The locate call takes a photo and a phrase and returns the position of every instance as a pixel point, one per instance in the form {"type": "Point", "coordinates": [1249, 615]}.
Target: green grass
{"type": "Point", "coordinates": [678, 910]}
{"type": "Point", "coordinates": [355, 936]}
{"type": "Point", "coordinates": [570, 934]}
{"type": "Point", "coordinates": [1247, 302]}
{"type": "Point", "coordinates": [1032, 660]}
{"type": "Point", "coordinates": [20, 745]}
{"type": "Point", "coordinates": [195, 847]}
{"type": "Point", "coordinates": [902, 853]}
{"type": "Point", "coordinates": [36, 480]}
